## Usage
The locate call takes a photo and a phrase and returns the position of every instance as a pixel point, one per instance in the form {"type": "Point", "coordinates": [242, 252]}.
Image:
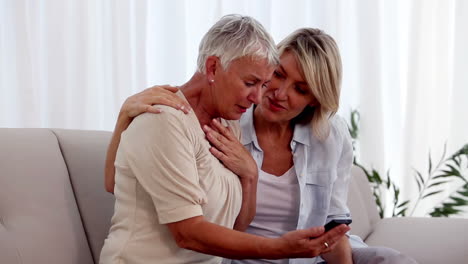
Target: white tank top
{"type": "Point", "coordinates": [277, 208]}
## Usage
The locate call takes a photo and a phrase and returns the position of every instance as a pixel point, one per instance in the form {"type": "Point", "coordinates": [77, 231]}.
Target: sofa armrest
{"type": "Point", "coordinates": [427, 240]}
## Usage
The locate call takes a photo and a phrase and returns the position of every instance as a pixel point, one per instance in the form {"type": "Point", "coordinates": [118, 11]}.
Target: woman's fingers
{"type": "Point", "coordinates": [216, 139]}
{"type": "Point", "coordinates": [172, 89]}
{"type": "Point", "coordinates": [314, 232]}
{"type": "Point", "coordinates": [166, 95]}
{"type": "Point", "coordinates": [225, 131]}
{"type": "Point", "coordinates": [218, 154]}
{"type": "Point", "coordinates": [330, 238]}
{"type": "Point", "coordinates": [171, 100]}
{"type": "Point", "coordinates": [159, 95]}
{"type": "Point", "coordinates": [313, 241]}
{"type": "Point", "coordinates": [153, 109]}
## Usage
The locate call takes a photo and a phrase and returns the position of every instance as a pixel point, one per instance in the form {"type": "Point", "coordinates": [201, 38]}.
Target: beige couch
{"type": "Point", "coordinates": [54, 210]}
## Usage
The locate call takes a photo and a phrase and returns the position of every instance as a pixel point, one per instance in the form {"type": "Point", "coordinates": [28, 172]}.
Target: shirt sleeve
{"type": "Point", "coordinates": [161, 151]}
{"type": "Point", "coordinates": [339, 193]}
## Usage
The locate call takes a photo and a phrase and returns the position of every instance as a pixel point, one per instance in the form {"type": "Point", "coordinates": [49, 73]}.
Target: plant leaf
{"type": "Point", "coordinates": [441, 176]}
{"type": "Point", "coordinates": [419, 176]}
{"type": "Point", "coordinates": [419, 184]}
{"type": "Point", "coordinates": [402, 212]}
{"type": "Point", "coordinates": [436, 184]}
{"type": "Point", "coordinates": [431, 193]}
{"type": "Point", "coordinates": [450, 206]}
{"type": "Point", "coordinates": [443, 153]}
{"type": "Point", "coordinates": [388, 179]}
{"type": "Point", "coordinates": [454, 171]}
{"type": "Point", "coordinates": [403, 204]}
{"type": "Point", "coordinates": [376, 176]}
{"type": "Point", "coordinates": [430, 163]}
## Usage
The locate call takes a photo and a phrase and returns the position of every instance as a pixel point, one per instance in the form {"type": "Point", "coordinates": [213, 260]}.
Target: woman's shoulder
{"type": "Point", "coordinates": [338, 123]}
{"type": "Point", "coordinates": [339, 132]}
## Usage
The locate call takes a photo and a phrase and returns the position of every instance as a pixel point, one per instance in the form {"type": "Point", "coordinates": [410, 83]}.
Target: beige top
{"type": "Point", "coordinates": [165, 173]}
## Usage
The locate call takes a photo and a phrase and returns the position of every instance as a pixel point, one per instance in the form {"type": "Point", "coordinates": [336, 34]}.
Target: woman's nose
{"type": "Point", "coordinates": [280, 93]}
{"type": "Point", "coordinates": [256, 95]}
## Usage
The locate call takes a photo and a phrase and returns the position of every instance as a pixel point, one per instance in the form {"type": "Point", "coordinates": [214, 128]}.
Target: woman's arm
{"type": "Point", "coordinates": [228, 149]}
{"type": "Point", "coordinates": [341, 254]}
{"type": "Point", "coordinates": [234, 156]}
{"type": "Point", "coordinates": [123, 121]}
{"type": "Point", "coordinates": [135, 105]}
{"type": "Point", "coordinates": [199, 235]}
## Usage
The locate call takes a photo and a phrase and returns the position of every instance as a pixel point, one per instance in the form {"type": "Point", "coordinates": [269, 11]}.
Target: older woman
{"type": "Point", "coordinates": [175, 202]}
{"type": "Point", "coordinates": [303, 151]}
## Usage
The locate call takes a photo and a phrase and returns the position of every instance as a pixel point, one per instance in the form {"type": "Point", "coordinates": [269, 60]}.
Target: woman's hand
{"type": "Point", "coordinates": [134, 105]}
{"type": "Point", "coordinates": [227, 148]}
{"type": "Point", "coordinates": [146, 100]}
{"type": "Point", "coordinates": [313, 241]}
{"type": "Point", "coordinates": [202, 236]}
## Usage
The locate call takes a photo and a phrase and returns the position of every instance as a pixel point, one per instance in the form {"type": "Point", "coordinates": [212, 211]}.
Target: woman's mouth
{"type": "Point", "coordinates": [242, 109]}
{"type": "Point", "coordinates": [274, 106]}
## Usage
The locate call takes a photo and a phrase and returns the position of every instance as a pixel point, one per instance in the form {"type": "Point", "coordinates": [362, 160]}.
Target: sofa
{"type": "Point", "coordinates": [54, 209]}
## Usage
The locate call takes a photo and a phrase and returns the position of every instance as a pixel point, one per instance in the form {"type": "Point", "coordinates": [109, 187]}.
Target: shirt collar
{"type": "Point", "coordinates": [302, 132]}
{"type": "Point", "coordinates": [248, 129]}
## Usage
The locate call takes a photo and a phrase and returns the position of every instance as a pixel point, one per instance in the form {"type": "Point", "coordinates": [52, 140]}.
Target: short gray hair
{"type": "Point", "coordinates": [235, 36]}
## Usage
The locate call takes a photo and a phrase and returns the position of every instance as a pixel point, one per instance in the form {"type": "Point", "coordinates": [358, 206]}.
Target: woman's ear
{"type": "Point", "coordinates": [313, 102]}
{"type": "Point", "coordinates": [211, 65]}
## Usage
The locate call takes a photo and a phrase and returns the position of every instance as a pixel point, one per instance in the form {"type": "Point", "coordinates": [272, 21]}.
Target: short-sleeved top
{"type": "Point", "coordinates": [165, 173]}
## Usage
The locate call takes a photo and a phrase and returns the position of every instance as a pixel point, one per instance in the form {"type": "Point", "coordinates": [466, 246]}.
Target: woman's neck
{"type": "Point", "coordinates": [281, 133]}
{"type": "Point", "coordinates": [198, 93]}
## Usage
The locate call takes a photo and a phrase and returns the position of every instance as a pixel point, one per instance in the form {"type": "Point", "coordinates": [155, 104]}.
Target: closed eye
{"type": "Point", "coordinates": [301, 90]}
{"type": "Point", "coordinates": [278, 74]}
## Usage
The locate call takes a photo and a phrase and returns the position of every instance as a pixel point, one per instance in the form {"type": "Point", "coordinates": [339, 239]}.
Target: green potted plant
{"type": "Point", "coordinates": [451, 169]}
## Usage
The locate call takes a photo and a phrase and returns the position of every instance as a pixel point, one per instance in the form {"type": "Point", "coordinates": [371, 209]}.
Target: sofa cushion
{"type": "Point", "coordinates": [37, 205]}
{"type": "Point", "coordinates": [8, 250]}
{"type": "Point", "coordinates": [84, 153]}
{"type": "Point", "coordinates": [426, 238]}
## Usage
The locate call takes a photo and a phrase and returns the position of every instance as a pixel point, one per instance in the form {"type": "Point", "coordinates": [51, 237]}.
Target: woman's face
{"type": "Point", "coordinates": [240, 86]}
{"type": "Point", "coordinates": [288, 93]}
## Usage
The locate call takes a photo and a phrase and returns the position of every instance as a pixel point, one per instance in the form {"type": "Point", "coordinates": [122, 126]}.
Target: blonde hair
{"type": "Point", "coordinates": [320, 61]}
{"type": "Point", "coordinates": [235, 36]}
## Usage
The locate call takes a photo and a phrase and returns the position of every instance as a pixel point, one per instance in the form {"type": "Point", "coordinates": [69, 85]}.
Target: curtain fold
{"type": "Point", "coordinates": [71, 64]}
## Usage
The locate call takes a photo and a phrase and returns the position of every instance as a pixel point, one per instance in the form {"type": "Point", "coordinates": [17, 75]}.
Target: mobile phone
{"type": "Point", "coordinates": [336, 222]}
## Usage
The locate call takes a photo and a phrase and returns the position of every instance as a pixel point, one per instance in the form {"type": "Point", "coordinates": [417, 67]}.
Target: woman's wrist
{"type": "Point", "coordinates": [251, 174]}
{"type": "Point", "coordinates": [123, 121]}
{"type": "Point", "coordinates": [276, 248]}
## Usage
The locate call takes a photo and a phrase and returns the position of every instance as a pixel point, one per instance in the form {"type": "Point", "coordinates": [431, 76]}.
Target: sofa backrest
{"type": "Point", "coordinates": [40, 221]}
{"type": "Point", "coordinates": [84, 153]}
{"type": "Point", "coordinates": [361, 203]}
{"type": "Point", "coordinates": [53, 207]}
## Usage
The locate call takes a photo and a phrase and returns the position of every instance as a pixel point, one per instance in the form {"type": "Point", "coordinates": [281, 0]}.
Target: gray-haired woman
{"type": "Point", "coordinates": [302, 149]}
{"type": "Point", "coordinates": [175, 202]}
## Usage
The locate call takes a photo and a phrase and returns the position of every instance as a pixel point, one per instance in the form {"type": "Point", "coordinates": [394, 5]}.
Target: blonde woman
{"type": "Point", "coordinates": [175, 202]}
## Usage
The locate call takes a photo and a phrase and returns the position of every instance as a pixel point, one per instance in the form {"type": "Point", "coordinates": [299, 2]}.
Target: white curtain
{"type": "Point", "coordinates": [71, 64]}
